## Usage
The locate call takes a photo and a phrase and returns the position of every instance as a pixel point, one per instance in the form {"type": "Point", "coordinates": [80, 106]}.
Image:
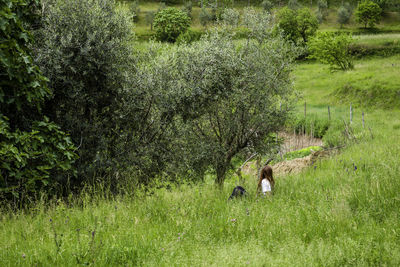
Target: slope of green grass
{"type": "Point", "coordinates": [342, 211]}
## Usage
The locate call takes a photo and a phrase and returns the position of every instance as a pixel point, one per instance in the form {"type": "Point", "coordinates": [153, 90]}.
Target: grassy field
{"type": "Point", "coordinates": [343, 211]}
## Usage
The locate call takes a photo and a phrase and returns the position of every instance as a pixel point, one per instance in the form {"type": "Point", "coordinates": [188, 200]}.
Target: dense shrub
{"type": "Point", "coordinates": [368, 13]}
{"type": "Point", "coordinates": [84, 48]}
{"type": "Point", "coordinates": [170, 23]}
{"type": "Point", "coordinates": [333, 49]}
{"type": "Point", "coordinates": [33, 150]}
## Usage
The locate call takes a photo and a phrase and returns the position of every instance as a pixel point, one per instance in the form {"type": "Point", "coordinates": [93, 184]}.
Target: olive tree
{"type": "Point", "coordinates": [84, 48]}
{"type": "Point", "coordinates": [231, 98]}
{"type": "Point", "coordinates": [344, 14]}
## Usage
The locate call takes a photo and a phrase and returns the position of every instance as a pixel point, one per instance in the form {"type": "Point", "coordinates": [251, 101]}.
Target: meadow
{"type": "Point", "coordinates": [342, 211]}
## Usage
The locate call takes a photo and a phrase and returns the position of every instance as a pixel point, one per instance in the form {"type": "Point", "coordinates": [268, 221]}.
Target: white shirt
{"type": "Point", "coordinates": [265, 186]}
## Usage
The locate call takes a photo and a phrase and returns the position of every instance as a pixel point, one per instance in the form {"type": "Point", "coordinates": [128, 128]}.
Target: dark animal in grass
{"type": "Point", "coordinates": [238, 191]}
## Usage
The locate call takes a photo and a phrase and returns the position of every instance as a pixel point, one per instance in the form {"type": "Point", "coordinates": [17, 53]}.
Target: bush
{"type": "Point", "coordinates": [170, 23]}
{"type": "Point", "coordinates": [368, 13]}
{"type": "Point", "coordinates": [333, 49]}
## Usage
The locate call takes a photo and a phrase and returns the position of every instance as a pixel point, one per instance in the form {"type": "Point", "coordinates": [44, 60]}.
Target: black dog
{"type": "Point", "coordinates": [238, 191]}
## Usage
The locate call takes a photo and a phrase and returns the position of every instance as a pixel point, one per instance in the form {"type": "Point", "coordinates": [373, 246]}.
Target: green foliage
{"type": "Point", "coordinates": [34, 160]}
{"type": "Point", "coordinates": [205, 17]}
{"type": "Point", "coordinates": [267, 5]}
{"type": "Point", "coordinates": [224, 84]}
{"type": "Point", "coordinates": [322, 11]}
{"type": "Point", "coordinates": [302, 152]}
{"type": "Point", "coordinates": [85, 50]}
{"type": "Point", "coordinates": [296, 24]}
{"type": "Point", "coordinates": [310, 125]}
{"type": "Point", "coordinates": [230, 17]}
{"type": "Point", "coordinates": [344, 14]}
{"type": "Point", "coordinates": [135, 10]}
{"type": "Point", "coordinates": [33, 150]}
{"type": "Point", "coordinates": [150, 18]}
{"type": "Point", "coordinates": [368, 13]}
{"type": "Point", "coordinates": [333, 49]}
{"type": "Point", "coordinates": [307, 23]}
{"type": "Point", "coordinates": [188, 37]}
{"type": "Point", "coordinates": [187, 8]}
{"type": "Point", "coordinates": [294, 4]}
{"type": "Point", "coordinates": [170, 23]}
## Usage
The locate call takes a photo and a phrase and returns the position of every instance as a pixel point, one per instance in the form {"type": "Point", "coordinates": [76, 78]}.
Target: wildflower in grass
{"type": "Point", "coordinates": [233, 220]}
{"type": "Point", "coordinates": [23, 255]}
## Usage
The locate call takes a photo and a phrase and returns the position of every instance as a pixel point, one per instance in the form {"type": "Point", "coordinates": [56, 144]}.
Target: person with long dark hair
{"type": "Point", "coordinates": [266, 182]}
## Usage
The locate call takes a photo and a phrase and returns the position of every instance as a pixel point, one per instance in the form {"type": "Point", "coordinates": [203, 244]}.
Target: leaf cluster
{"type": "Point", "coordinates": [33, 150]}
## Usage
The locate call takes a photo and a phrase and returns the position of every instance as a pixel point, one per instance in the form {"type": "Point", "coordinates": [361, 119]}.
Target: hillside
{"type": "Point", "coordinates": [342, 211]}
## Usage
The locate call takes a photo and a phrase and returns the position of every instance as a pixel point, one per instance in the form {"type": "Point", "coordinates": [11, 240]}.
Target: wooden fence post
{"type": "Point", "coordinates": [351, 113]}
{"type": "Point", "coordinates": [363, 121]}
{"type": "Point", "coordinates": [329, 113]}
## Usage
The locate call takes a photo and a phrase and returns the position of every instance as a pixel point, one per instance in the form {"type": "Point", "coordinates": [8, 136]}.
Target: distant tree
{"type": "Point", "coordinates": [368, 13]}
{"type": "Point", "coordinates": [187, 8]}
{"type": "Point", "coordinates": [267, 5]}
{"type": "Point", "coordinates": [322, 11]}
{"type": "Point", "coordinates": [205, 17]}
{"type": "Point", "coordinates": [135, 10]}
{"type": "Point", "coordinates": [297, 24]}
{"type": "Point", "coordinates": [230, 17]}
{"type": "Point", "coordinates": [333, 49]}
{"type": "Point", "coordinates": [34, 152]}
{"type": "Point", "coordinates": [150, 18]}
{"type": "Point", "coordinates": [294, 4]}
{"type": "Point", "coordinates": [169, 23]}
{"type": "Point", "coordinates": [307, 23]}
{"type": "Point", "coordinates": [288, 23]}
{"type": "Point", "coordinates": [344, 14]}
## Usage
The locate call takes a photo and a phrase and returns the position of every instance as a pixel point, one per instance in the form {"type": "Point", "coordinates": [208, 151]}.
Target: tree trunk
{"type": "Point", "coordinates": [221, 171]}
